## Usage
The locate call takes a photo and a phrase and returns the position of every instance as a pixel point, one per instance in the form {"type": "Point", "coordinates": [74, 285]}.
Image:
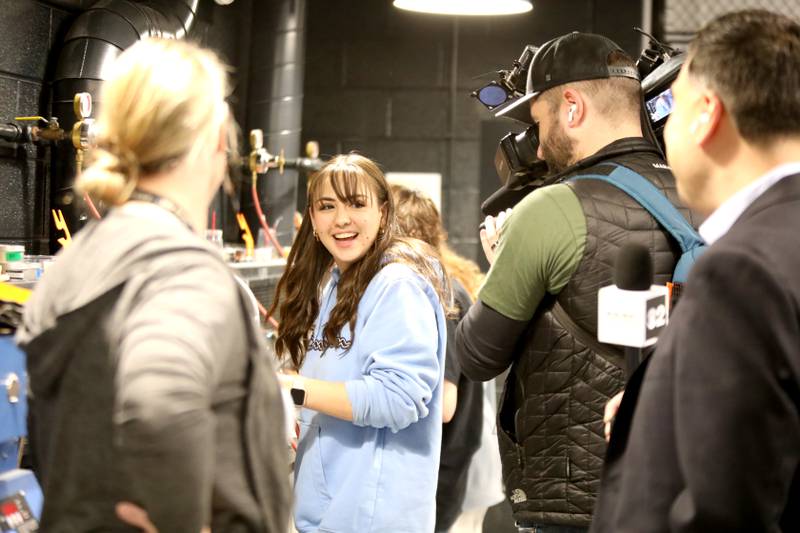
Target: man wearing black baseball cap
{"type": "Point", "coordinates": [537, 310]}
{"type": "Point", "coordinates": [571, 57]}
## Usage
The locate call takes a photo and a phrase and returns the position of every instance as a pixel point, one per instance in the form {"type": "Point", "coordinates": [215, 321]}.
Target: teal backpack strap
{"type": "Point", "coordinates": [651, 198]}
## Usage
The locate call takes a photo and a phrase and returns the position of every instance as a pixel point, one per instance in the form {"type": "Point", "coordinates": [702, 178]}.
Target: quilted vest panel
{"type": "Point", "coordinates": [550, 418]}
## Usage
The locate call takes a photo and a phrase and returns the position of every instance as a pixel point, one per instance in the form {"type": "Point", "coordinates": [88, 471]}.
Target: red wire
{"type": "Point", "coordinates": [264, 226]}
{"type": "Point", "coordinates": [263, 310]}
{"type": "Point", "coordinates": [92, 209]}
{"type": "Point", "coordinates": [263, 221]}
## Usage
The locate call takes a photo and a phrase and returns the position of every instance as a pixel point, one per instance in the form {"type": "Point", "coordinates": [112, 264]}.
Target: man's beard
{"type": "Point", "coordinates": [558, 150]}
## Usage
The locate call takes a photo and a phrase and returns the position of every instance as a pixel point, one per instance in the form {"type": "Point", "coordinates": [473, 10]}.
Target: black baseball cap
{"type": "Point", "coordinates": [572, 57]}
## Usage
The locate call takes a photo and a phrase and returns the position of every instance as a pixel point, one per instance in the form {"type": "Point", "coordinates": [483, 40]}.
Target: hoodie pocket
{"type": "Point", "coordinates": [310, 482]}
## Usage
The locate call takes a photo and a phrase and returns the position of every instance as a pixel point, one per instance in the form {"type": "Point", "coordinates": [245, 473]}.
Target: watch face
{"type": "Point", "coordinates": [298, 396]}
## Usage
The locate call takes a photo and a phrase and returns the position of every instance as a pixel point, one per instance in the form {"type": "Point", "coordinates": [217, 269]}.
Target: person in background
{"type": "Point", "coordinates": [418, 217]}
{"type": "Point", "coordinates": [363, 320]}
{"type": "Point", "coordinates": [485, 474]}
{"type": "Point", "coordinates": [150, 381]}
{"type": "Point", "coordinates": [711, 442]}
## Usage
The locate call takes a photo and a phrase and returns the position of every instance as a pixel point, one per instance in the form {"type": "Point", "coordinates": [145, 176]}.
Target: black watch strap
{"type": "Point", "coordinates": [298, 395]}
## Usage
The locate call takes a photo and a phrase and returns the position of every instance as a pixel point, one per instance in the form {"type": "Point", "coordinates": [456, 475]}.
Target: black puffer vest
{"type": "Point", "coordinates": [550, 418]}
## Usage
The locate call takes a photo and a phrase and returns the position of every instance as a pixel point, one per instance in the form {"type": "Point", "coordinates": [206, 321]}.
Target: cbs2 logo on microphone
{"type": "Point", "coordinates": [656, 316]}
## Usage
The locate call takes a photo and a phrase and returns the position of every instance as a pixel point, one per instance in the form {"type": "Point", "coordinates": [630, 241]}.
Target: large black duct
{"type": "Point", "coordinates": [275, 104]}
{"type": "Point", "coordinates": [94, 40]}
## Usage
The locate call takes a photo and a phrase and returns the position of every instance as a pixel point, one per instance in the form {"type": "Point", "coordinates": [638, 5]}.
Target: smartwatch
{"type": "Point", "coordinates": [298, 392]}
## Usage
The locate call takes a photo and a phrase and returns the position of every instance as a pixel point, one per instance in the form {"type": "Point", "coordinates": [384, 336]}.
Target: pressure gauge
{"type": "Point", "coordinates": [256, 139]}
{"type": "Point", "coordinates": [83, 105]}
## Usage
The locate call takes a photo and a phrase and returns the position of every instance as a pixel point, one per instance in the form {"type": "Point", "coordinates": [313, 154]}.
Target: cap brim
{"type": "Point", "coordinates": [519, 109]}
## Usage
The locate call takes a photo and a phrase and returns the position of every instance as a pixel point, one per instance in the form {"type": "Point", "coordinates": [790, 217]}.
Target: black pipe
{"type": "Point", "coordinates": [304, 164]}
{"type": "Point", "coordinates": [16, 134]}
{"type": "Point", "coordinates": [70, 5]}
{"type": "Point", "coordinates": [100, 33]}
{"type": "Point", "coordinates": [94, 40]}
{"type": "Point", "coordinates": [275, 105]}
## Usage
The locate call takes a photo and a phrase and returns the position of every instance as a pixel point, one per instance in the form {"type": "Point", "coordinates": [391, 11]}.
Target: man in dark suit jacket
{"type": "Point", "coordinates": [713, 443]}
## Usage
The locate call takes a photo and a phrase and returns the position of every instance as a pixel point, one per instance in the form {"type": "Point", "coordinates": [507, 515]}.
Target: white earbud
{"type": "Point", "coordinates": [571, 113]}
{"type": "Point", "coordinates": [702, 119]}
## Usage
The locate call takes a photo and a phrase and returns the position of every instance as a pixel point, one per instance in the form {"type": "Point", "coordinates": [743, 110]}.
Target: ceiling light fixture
{"type": "Point", "coordinates": [466, 7]}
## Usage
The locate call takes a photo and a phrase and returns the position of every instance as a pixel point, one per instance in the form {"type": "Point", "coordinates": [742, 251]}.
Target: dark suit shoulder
{"type": "Point", "coordinates": [765, 235]}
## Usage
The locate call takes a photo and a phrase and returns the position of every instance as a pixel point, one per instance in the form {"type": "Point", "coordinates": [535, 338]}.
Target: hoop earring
{"type": "Point", "coordinates": [315, 234]}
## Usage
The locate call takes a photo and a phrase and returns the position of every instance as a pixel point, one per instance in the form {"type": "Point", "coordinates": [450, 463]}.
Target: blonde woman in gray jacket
{"type": "Point", "coordinates": [149, 378]}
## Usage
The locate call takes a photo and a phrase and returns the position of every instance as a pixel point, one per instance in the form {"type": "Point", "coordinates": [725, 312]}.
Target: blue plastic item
{"type": "Point", "coordinates": [13, 400]}
{"type": "Point", "coordinates": [20, 501]}
{"type": "Point", "coordinates": [21, 497]}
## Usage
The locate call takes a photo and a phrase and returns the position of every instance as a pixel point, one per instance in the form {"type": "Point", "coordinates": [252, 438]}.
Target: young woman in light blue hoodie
{"type": "Point", "coordinates": [363, 321]}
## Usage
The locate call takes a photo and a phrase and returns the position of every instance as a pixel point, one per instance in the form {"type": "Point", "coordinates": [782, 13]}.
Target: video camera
{"type": "Point", "coordinates": [516, 161]}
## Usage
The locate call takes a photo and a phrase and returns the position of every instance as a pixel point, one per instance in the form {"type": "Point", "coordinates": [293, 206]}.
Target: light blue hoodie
{"type": "Point", "coordinates": [377, 473]}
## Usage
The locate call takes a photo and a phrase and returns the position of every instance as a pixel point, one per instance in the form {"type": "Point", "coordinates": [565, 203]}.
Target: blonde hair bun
{"type": "Point", "coordinates": [164, 101]}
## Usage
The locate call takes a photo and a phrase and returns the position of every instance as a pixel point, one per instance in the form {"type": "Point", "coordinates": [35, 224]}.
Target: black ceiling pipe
{"type": "Point", "coordinates": [72, 5]}
{"type": "Point", "coordinates": [275, 105]}
{"type": "Point", "coordinates": [94, 40]}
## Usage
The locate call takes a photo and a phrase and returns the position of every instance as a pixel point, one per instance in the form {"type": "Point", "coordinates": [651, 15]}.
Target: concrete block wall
{"type": "Point", "coordinates": [29, 29]}
{"type": "Point", "coordinates": [391, 84]}
{"type": "Point", "coordinates": [395, 86]}
{"type": "Point", "coordinates": [30, 34]}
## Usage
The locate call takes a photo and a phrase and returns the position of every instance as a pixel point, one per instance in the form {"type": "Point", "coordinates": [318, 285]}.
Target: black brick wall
{"type": "Point", "coordinates": [30, 33]}
{"type": "Point", "coordinates": [28, 30]}
{"type": "Point", "coordinates": [379, 80]}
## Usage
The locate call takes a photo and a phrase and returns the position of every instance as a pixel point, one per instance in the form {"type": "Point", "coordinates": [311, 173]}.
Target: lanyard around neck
{"type": "Point", "coordinates": [139, 195]}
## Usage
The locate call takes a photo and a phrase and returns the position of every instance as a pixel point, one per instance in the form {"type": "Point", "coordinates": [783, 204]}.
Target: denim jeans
{"type": "Point", "coordinates": [547, 528]}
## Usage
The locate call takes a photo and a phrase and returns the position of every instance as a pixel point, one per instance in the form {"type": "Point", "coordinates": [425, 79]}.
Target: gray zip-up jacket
{"type": "Point", "coordinates": [150, 383]}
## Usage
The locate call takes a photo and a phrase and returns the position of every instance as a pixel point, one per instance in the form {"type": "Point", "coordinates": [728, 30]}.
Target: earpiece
{"type": "Point", "coordinates": [702, 119]}
{"type": "Point", "coordinates": [571, 113]}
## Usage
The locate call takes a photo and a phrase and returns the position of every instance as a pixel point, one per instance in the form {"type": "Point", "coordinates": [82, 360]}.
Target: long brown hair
{"type": "Point", "coordinates": [297, 293]}
{"type": "Point", "coordinates": [418, 217]}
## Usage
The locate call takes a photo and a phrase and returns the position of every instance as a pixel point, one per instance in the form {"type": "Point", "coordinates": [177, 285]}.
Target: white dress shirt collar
{"type": "Point", "coordinates": [721, 220]}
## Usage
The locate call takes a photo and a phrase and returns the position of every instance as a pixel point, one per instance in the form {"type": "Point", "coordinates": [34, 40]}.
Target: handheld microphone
{"type": "Point", "coordinates": [632, 312]}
